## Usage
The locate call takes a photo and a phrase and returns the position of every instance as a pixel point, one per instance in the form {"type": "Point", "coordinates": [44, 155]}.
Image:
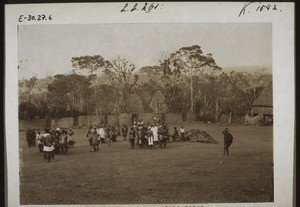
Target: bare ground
{"type": "Point", "coordinates": [182, 173]}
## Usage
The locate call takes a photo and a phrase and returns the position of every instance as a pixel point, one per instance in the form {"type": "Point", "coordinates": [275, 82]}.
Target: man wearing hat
{"type": "Point", "coordinates": [228, 138]}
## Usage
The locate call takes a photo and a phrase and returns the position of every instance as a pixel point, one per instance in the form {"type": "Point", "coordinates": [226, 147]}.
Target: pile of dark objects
{"type": "Point", "coordinates": [197, 135]}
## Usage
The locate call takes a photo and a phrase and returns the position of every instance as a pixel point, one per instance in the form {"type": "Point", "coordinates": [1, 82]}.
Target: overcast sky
{"type": "Point", "coordinates": [48, 49]}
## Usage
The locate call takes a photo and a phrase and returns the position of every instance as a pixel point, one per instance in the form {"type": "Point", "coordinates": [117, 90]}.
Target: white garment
{"type": "Point", "coordinates": [48, 149]}
{"type": "Point", "coordinates": [98, 131]}
{"type": "Point", "coordinates": [181, 130]}
{"type": "Point", "coordinates": [39, 138]}
{"type": "Point", "coordinates": [150, 140]}
{"type": "Point", "coordinates": [155, 133]}
{"type": "Point", "coordinates": [102, 132]}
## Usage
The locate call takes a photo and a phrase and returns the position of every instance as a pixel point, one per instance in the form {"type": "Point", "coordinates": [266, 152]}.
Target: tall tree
{"type": "Point", "coordinates": [27, 105]}
{"type": "Point", "coordinates": [69, 94]}
{"type": "Point", "coordinates": [191, 61]}
{"type": "Point", "coordinates": [91, 64]}
{"type": "Point", "coordinates": [121, 74]}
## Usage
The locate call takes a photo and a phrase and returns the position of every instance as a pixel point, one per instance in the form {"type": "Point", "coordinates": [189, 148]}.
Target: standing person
{"type": "Point", "coordinates": [63, 142]}
{"type": "Point", "coordinates": [149, 136]}
{"type": "Point", "coordinates": [160, 136]}
{"type": "Point", "coordinates": [165, 136]}
{"type": "Point", "coordinates": [140, 137]}
{"type": "Point", "coordinates": [108, 135]}
{"type": "Point", "coordinates": [175, 134]}
{"type": "Point", "coordinates": [91, 125]}
{"type": "Point", "coordinates": [144, 136]}
{"type": "Point", "coordinates": [48, 146]}
{"type": "Point", "coordinates": [71, 142]}
{"type": "Point", "coordinates": [39, 139]}
{"type": "Point", "coordinates": [182, 134]}
{"type": "Point", "coordinates": [131, 135]}
{"type": "Point", "coordinates": [95, 141]}
{"type": "Point", "coordinates": [124, 131]}
{"type": "Point", "coordinates": [89, 135]}
{"type": "Point", "coordinates": [102, 134]}
{"type": "Point", "coordinates": [154, 130]}
{"type": "Point", "coordinates": [228, 138]}
{"type": "Point", "coordinates": [30, 137]}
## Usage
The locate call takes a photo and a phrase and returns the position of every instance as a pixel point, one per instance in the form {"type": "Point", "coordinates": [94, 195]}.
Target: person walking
{"type": "Point", "coordinates": [228, 138]}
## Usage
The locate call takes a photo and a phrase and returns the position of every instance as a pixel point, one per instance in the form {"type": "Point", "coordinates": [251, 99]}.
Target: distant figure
{"type": "Point", "coordinates": [70, 137]}
{"type": "Point", "coordinates": [131, 135]}
{"type": "Point", "coordinates": [163, 133]}
{"type": "Point", "coordinates": [39, 139]}
{"type": "Point", "coordinates": [108, 135]}
{"type": "Point", "coordinates": [63, 138]}
{"type": "Point", "coordinates": [124, 131]}
{"type": "Point", "coordinates": [91, 124]}
{"type": "Point", "coordinates": [154, 130]}
{"type": "Point", "coordinates": [182, 134]}
{"type": "Point", "coordinates": [175, 134]}
{"type": "Point", "coordinates": [149, 136]}
{"type": "Point", "coordinates": [48, 147]}
{"type": "Point", "coordinates": [102, 134]}
{"type": "Point", "coordinates": [228, 138]}
{"type": "Point", "coordinates": [95, 141]}
{"type": "Point", "coordinates": [30, 137]}
{"type": "Point", "coordinates": [89, 135]}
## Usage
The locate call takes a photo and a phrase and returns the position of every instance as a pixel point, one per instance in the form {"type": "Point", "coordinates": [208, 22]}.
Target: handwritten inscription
{"type": "Point", "coordinates": [144, 7]}
{"type": "Point", "coordinates": [251, 7]}
{"type": "Point", "coordinates": [40, 17]}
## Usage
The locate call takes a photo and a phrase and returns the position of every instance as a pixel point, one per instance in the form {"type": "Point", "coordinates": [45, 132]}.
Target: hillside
{"type": "Point", "coordinates": [42, 84]}
{"type": "Point", "coordinates": [248, 69]}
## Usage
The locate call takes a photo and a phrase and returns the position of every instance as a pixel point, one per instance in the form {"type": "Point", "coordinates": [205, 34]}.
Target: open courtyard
{"type": "Point", "coordinates": [182, 173]}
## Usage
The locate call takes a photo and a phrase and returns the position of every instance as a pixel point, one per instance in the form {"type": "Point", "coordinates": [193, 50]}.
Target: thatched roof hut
{"type": "Point", "coordinates": [263, 104]}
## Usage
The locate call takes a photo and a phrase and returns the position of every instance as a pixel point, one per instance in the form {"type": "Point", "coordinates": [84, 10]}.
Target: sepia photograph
{"type": "Point", "coordinates": [149, 104]}
{"type": "Point", "coordinates": [145, 113]}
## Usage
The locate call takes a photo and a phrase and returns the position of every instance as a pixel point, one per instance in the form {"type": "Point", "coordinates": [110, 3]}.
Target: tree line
{"type": "Point", "coordinates": [186, 80]}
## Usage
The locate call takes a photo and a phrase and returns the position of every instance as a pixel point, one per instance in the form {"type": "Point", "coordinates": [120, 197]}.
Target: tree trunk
{"type": "Point", "coordinates": [217, 111]}
{"type": "Point", "coordinates": [192, 99]}
{"type": "Point", "coordinates": [229, 119]}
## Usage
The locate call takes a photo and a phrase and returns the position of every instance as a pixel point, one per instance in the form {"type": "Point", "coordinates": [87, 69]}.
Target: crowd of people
{"type": "Point", "coordinates": [51, 142]}
{"type": "Point", "coordinates": [146, 136]}
{"type": "Point", "coordinates": [59, 141]}
{"type": "Point", "coordinates": [138, 134]}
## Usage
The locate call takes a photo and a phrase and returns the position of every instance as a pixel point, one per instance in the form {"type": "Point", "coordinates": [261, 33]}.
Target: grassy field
{"type": "Point", "coordinates": [181, 173]}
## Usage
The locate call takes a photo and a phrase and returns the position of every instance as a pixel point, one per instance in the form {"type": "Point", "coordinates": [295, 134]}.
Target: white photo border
{"type": "Point", "coordinates": [188, 12]}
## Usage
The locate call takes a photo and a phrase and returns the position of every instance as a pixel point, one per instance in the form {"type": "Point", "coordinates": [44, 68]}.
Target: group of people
{"type": "Point", "coordinates": [52, 141]}
{"type": "Point", "coordinates": [58, 141]}
{"type": "Point", "coordinates": [101, 134]}
{"type": "Point", "coordinates": [146, 136]}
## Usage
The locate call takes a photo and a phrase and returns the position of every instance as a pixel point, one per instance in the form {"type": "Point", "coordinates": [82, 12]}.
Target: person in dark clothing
{"type": "Point", "coordinates": [163, 138]}
{"type": "Point", "coordinates": [160, 137]}
{"type": "Point", "coordinates": [124, 131]}
{"type": "Point", "coordinates": [89, 136]}
{"type": "Point", "coordinates": [228, 138]}
{"type": "Point", "coordinates": [131, 137]}
{"type": "Point", "coordinates": [175, 134]}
